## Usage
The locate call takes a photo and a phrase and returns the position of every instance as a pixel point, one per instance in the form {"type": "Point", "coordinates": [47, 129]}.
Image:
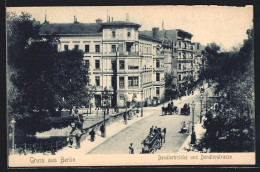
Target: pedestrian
{"type": "Point", "coordinates": [71, 141]}
{"type": "Point", "coordinates": [102, 129]}
{"type": "Point", "coordinates": [33, 149]}
{"type": "Point", "coordinates": [45, 148]}
{"type": "Point", "coordinates": [164, 133]}
{"type": "Point", "coordinates": [92, 135]}
{"type": "Point", "coordinates": [172, 104]}
{"type": "Point", "coordinates": [131, 149]}
{"type": "Point", "coordinates": [78, 136]}
{"type": "Point", "coordinates": [125, 117]}
{"type": "Point", "coordinates": [151, 130]}
{"type": "Point", "coordinates": [155, 130]}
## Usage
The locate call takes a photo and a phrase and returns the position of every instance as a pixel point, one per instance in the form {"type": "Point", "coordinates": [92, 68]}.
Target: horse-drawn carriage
{"type": "Point", "coordinates": [185, 110]}
{"type": "Point", "coordinates": [153, 142]}
{"type": "Point", "coordinates": [170, 109]}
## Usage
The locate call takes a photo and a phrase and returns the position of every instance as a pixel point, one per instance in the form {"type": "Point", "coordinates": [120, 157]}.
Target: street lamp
{"type": "Point", "coordinates": [206, 94]}
{"type": "Point", "coordinates": [12, 123]}
{"type": "Point", "coordinates": [193, 136]}
{"type": "Point", "coordinates": [142, 108]}
{"type": "Point", "coordinates": [201, 98]}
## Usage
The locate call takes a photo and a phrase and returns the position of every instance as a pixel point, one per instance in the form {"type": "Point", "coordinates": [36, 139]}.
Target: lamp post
{"type": "Point", "coordinates": [206, 94]}
{"type": "Point", "coordinates": [12, 123]}
{"type": "Point", "coordinates": [193, 136]}
{"type": "Point", "coordinates": [142, 107]}
{"type": "Point", "coordinates": [201, 98]}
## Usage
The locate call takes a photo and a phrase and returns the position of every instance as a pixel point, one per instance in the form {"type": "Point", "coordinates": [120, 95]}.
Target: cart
{"type": "Point", "coordinates": [151, 143]}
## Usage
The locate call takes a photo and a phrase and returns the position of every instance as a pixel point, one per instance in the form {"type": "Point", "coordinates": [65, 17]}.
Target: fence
{"type": "Point", "coordinates": [54, 146]}
{"type": "Point", "coordinates": [41, 147]}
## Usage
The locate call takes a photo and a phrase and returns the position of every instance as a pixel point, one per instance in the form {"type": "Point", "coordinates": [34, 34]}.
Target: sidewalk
{"type": "Point", "coordinates": [199, 132]}
{"type": "Point", "coordinates": [111, 130]}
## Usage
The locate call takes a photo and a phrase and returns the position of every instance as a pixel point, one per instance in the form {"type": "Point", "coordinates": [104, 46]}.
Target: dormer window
{"type": "Point", "coordinates": [113, 33]}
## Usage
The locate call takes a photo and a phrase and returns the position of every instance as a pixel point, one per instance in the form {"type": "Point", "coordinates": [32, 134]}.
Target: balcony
{"type": "Point", "coordinates": [129, 53]}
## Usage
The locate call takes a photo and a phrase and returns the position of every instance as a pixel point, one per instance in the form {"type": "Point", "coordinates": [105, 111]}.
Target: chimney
{"type": "Point", "coordinates": [98, 21]}
{"type": "Point", "coordinates": [75, 19]}
{"type": "Point", "coordinates": [155, 32]}
{"type": "Point", "coordinates": [45, 21]}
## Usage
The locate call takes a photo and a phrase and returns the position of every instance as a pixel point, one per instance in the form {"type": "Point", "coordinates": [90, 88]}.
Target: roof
{"type": "Point", "coordinates": [184, 32]}
{"type": "Point", "coordinates": [121, 23]}
{"type": "Point", "coordinates": [149, 38]}
{"type": "Point", "coordinates": [170, 34]}
{"type": "Point", "coordinates": [71, 28]}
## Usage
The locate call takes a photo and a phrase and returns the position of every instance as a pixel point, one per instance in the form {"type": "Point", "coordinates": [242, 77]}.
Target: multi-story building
{"type": "Point", "coordinates": [199, 59]}
{"type": "Point", "coordinates": [130, 65]}
{"type": "Point", "coordinates": [181, 61]}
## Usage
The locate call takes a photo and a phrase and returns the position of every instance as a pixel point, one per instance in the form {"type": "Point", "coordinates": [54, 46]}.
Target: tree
{"type": "Point", "coordinates": [232, 129]}
{"type": "Point", "coordinates": [41, 79]}
{"type": "Point", "coordinates": [170, 85]}
{"type": "Point", "coordinates": [70, 80]}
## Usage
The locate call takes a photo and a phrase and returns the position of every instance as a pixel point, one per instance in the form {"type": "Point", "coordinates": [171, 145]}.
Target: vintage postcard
{"type": "Point", "coordinates": [130, 86]}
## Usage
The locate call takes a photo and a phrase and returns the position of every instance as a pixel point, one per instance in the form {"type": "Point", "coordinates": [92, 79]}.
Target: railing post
{"type": "Point", "coordinates": [24, 145]}
{"type": "Point", "coordinates": [40, 147]}
{"type": "Point", "coordinates": [57, 146]}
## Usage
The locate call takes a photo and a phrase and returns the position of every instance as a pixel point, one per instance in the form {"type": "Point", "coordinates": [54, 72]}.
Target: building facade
{"type": "Point", "coordinates": [199, 64]}
{"type": "Point", "coordinates": [128, 64]}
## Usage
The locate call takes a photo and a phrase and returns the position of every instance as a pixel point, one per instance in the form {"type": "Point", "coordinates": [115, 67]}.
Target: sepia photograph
{"type": "Point", "coordinates": [130, 85]}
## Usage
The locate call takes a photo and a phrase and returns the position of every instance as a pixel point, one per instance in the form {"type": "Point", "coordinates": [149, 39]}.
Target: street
{"type": "Point", "coordinates": [137, 132]}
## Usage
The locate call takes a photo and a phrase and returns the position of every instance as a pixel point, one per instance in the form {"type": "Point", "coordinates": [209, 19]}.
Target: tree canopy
{"type": "Point", "coordinates": [233, 72]}
{"type": "Point", "coordinates": [40, 78]}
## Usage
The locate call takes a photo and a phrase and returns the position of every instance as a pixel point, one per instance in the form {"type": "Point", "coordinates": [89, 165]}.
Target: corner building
{"type": "Point", "coordinates": [130, 65]}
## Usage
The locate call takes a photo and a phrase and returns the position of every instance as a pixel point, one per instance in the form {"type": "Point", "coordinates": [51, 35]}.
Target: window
{"type": "Point", "coordinates": [191, 65]}
{"type": "Point", "coordinates": [121, 64]}
{"type": "Point", "coordinates": [157, 91]}
{"type": "Point", "coordinates": [180, 66]}
{"type": "Point", "coordinates": [97, 48]}
{"type": "Point", "coordinates": [157, 76]}
{"type": "Point", "coordinates": [66, 47]}
{"type": "Point", "coordinates": [157, 63]}
{"type": "Point", "coordinates": [128, 33]}
{"type": "Point", "coordinates": [97, 80]}
{"type": "Point", "coordinates": [121, 82]}
{"type": "Point", "coordinates": [185, 45]}
{"type": "Point", "coordinates": [191, 47]}
{"type": "Point", "coordinates": [113, 48]}
{"type": "Point", "coordinates": [179, 77]}
{"type": "Point", "coordinates": [198, 46]}
{"type": "Point", "coordinates": [87, 48]}
{"type": "Point", "coordinates": [113, 33]}
{"type": "Point", "coordinates": [133, 64]}
{"type": "Point", "coordinates": [179, 55]}
{"type": "Point", "coordinates": [175, 50]}
{"type": "Point", "coordinates": [179, 44]}
{"type": "Point", "coordinates": [133, 81]}
{"type": "Point", "coordinates": [76, 47]}
{"type": "Point", "coordinates": [87, 64]}
{"type": "Point", "coordinates": [97, 64]}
